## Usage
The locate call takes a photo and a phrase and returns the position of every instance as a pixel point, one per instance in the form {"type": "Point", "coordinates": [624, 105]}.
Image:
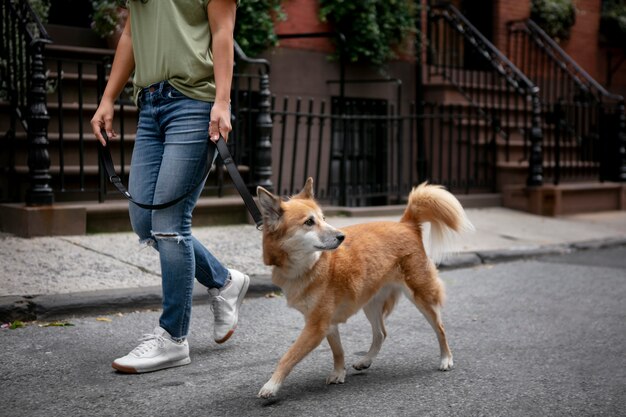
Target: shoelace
{"type": "Point", "coordinates": [148, 342]}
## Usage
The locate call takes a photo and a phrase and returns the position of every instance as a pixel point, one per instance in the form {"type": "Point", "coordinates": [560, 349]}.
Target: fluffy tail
{"type": "Point", "coordinates": [432, 203]}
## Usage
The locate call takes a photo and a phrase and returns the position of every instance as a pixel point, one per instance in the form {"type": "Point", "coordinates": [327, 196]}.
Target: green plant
{"type": "Point", "coordinates": [373, 29]}
{"type": "Point", "coordinates": [16, 325]}
{"type": "Point", "coordinates": [105, 17]}
{"type": "Point", "coordinates": [613, 22]}
{"type": "Point", "coordinates": [254, 27]}
{"type": "Point", "coordinates": [556, 17]}
{"type": "Point", "coordinates": [41, 8]}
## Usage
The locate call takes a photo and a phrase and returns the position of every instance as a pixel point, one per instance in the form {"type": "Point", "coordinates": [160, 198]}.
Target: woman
{"type": "Point", "coordinates": [181, 52]}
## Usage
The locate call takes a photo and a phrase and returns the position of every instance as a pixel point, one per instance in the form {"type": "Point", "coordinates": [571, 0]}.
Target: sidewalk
{"type": "Point", "coordinates": [42, 278]}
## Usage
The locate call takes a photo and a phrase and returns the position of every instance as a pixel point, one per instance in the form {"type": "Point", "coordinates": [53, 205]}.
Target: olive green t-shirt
{"type": "Point", "coordinates": [171, 41]}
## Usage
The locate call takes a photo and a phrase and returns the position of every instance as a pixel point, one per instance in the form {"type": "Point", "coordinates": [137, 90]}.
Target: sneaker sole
{"type": "Point", "coordinates": [242, 294]}
{"type": "Point", "coordinates": [130, 370]}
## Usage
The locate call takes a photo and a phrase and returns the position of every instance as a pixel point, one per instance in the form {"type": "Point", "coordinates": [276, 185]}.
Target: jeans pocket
{"type": "Point", "coordinates": [175, 94]}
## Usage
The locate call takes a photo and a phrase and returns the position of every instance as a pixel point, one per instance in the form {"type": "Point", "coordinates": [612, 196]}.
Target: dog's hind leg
{"type": "Point", "coordinates": [375, 311]}
{"type": "Point", "coordinates": [338, 375]}
{"type": "Point", "coordinates": [427, 293]}
{"type": "Point", "coordinates": [433, 315]}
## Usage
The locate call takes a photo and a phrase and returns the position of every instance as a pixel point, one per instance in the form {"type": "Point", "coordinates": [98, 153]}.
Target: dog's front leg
{"type": "Point", "coordinates": [338, 375]}
{"type": "Point", "coordinates": [311, 336]}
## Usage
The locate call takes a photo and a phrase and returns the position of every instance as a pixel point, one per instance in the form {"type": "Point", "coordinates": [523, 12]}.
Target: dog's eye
{"type": "Point", "coordinates": [309, 222]}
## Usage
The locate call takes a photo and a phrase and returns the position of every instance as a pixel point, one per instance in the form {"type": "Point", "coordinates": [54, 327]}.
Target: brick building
{"type": "Point", "coordinates": [585, 48]}
{"type": "Point", "coordinates": [585, 44]}
{"type": "Point", "coordinates": [489, 108]}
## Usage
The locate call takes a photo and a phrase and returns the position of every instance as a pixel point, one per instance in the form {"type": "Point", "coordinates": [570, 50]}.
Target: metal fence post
{"type": "Point", "coordinates": [535, 160]}
{"type": "Point", "coordinates": [40, 192]}
{"type": "Point", "coordinates": [419, 98]}
{"type": "Point", "coordinates": [559, 127]}
{"type": "Point", "coordinates": [621, 139]}
{"type": "Point", "coordinates": [262, 173]}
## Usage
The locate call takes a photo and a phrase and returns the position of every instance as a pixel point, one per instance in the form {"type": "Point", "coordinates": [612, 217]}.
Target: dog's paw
{"type": "Point", "coordinates": [269, 390]}
{"type": "Point", "coordinates": [336, 377]}
{"type": "Point", "coordinates": [446, 363]}
{"type": "Point", "coordinates": [362, 364]}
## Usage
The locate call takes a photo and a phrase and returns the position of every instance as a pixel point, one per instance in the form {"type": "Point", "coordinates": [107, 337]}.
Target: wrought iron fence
{"type": "Point", "coordinates": [371, 156]}
{"type": "Point", "coordinates": [75, 84]}
{"type": "Point", "coordinates": [23, 84]}
{"type": "Point", "coordinates": [360, 152]}
{"type": "Point", "coordinates": [584, 123]}
{"type": "Point", "coordinates": [506, 100]}
{"type": "Point", "coordinates": [73, 81]}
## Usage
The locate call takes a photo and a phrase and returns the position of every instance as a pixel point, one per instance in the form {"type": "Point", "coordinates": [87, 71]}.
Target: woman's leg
{"type": "Point", "coordinates": [148, 154]}
{"type": "Point", "coordinates": [158, 350]}
{"type": "Point", "coordinates": [169, 159]}
{"type": "Point", "coordinates": [184, 123]}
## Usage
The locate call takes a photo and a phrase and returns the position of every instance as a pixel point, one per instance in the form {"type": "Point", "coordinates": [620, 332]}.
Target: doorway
{"type": "Point", "coordinates": [480, 13]}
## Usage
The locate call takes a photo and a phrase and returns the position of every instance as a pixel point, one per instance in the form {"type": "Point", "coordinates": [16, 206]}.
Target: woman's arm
{"type": "Point", "coordinates": [222, 23]}
{"type": "Point", "coordinates": [123, 66]}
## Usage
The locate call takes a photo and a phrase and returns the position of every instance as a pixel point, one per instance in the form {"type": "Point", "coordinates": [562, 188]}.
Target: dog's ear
{"type": "Point", "coordinates": [307, 191]}
{"type": "Point", "coordinates": [270, 207]}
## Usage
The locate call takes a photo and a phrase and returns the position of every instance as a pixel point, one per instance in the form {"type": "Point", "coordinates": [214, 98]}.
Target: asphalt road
{"type": "Point", "coordinates": [541, 337]}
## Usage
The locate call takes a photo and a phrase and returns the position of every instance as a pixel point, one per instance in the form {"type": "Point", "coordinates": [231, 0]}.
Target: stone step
{"type": "Point", "coordinates": [75, 218]}
{"type": "Point", "coordinates": [516, 172]}
{"type": "Point", "coordinates": [566, 198]}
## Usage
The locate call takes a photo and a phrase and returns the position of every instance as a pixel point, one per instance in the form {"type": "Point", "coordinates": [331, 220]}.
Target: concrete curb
{"type": "Point", "coordinates": [45, 307]}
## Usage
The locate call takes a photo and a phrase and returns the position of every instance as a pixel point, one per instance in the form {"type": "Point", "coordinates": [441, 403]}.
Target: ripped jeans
{"type": "Point", "coordinates": [169, 158]}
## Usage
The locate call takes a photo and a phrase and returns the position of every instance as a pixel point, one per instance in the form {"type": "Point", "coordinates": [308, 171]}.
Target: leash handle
{"type": "Point", "coordinates": [222, 148]}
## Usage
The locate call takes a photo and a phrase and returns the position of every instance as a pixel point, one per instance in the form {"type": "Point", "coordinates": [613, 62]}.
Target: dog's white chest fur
{"type": "Point", "coordinates": [295, 291]}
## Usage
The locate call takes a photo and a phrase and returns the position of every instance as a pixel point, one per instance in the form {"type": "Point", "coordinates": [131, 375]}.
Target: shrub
{"type": "Point", "coordinates": [556, 17]}
{"type": "Point", "coordinates": [41, 9]}
{"type": "Point", "coordinates": [105, 17]}
{"type": "Point", "coordinates": [372, 28]}
{"type": "Point", "coordinates": [613, 22]}
{"type": "Point", "coordinates": [254, 28]}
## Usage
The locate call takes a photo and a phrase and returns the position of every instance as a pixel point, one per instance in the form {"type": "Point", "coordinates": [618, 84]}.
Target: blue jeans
{"type": "Point", "coordinates": [169, 158]}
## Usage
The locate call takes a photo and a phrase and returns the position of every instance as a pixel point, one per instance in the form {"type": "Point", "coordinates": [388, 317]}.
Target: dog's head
{"type": "Point", "coordinates": [294, 227]}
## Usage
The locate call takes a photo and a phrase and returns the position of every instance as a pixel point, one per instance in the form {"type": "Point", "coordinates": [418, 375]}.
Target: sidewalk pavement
{"type": "Point", "coordinates": [51, 277]}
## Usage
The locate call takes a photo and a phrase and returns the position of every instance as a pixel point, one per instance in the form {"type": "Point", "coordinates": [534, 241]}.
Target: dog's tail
{"type": "Point", "coordinates": [433, 204]}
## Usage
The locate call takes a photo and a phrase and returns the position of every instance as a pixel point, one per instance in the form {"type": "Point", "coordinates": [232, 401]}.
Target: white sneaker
{"type": "Point", "coordinates": [156, 351]}
{"type": "Point", "coordinates": [225, 304]}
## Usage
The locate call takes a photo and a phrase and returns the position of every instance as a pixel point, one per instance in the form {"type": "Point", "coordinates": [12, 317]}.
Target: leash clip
{"type": "Point", "coordinates": [114, 179]}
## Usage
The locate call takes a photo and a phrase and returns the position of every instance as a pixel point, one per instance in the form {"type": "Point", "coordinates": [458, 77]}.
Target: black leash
{"type": "Point", "coordinates": [222, 149]}
{"type": "Point", "coordinates": [235, 176]}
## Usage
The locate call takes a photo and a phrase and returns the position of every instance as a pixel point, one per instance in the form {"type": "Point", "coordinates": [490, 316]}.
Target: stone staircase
{"type": "Point", "coordinates": [581, 192]}
{"type": "Point", "coordinates": [511, 147]}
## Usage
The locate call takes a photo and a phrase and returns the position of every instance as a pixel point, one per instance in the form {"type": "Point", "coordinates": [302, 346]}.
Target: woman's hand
{"type": "Point", "coordinates": [103, 119]}
{"type": "Point", "coordinates": [220, 121]}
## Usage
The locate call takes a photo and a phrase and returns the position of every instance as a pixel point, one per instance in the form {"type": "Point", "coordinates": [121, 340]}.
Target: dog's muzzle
{"type": "Point", "coordinates": [333, 242]}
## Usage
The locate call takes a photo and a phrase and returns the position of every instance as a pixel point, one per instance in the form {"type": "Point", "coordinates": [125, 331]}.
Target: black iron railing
{"type": "Point", "coordinates": [68, 91]}
{"type": "Point", "coordinates": [367, 154]}
{"type": "Point", "coordinates": [76, 80]}
{"type": "Point", "coordinates": [585, 124]}
{"type": "Point", "coordinates": [506, 100]}
{"type": "Point", "coordinates": [23, 83]}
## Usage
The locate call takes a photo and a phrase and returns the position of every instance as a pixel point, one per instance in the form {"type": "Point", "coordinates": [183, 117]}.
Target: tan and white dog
{"type": "Point", "coordinates": [329, 274]}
